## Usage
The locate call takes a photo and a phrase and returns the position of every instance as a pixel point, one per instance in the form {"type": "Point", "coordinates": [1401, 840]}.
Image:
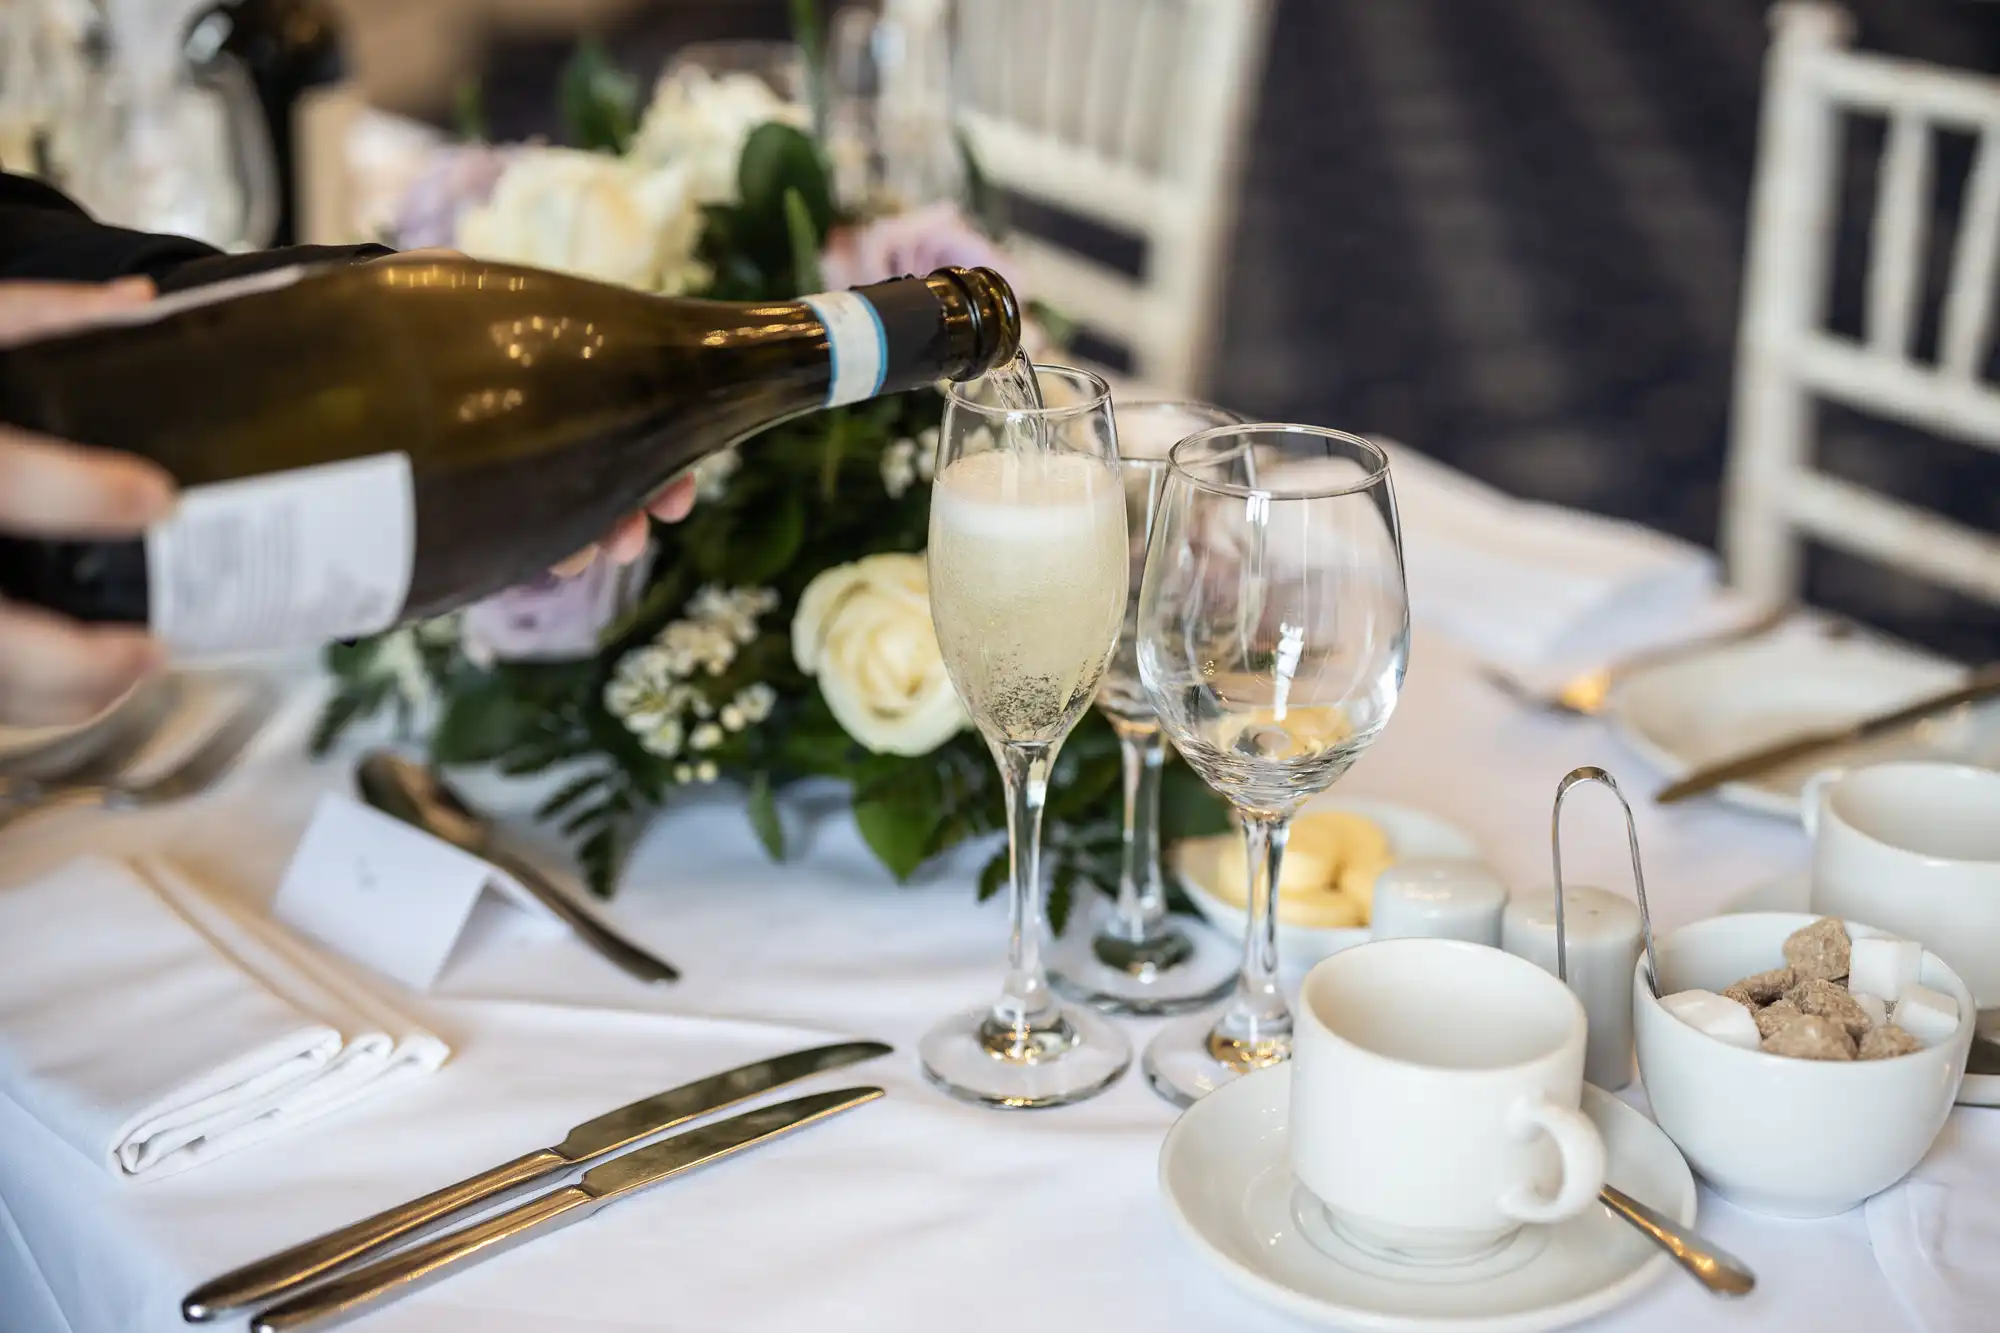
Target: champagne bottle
{"type": "Point", "coordinates": [378, 442]}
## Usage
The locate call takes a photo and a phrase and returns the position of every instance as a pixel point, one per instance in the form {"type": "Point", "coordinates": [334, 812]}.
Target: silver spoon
{"type": "Point", "coordinates": [419, 797]}
{"type": "Point", "coordinates": [1722, 1273]}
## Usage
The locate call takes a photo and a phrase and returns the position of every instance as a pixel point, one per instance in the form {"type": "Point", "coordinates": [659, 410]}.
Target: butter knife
{"type": "Point", "coordinates": [411, 1270]}
{"type": "Point", "coordinates": [282, 1272]}
{"type": "Point", "coordinates": [1984, 685]}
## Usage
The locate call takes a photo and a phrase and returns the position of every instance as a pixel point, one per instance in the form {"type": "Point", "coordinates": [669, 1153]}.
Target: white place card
{"type": "Point", "coordinates": [387, 895]}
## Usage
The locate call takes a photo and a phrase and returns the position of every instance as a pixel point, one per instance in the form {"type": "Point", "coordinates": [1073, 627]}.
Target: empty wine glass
{"type": "Point", "coordinates": [1028, 589]}
{"type": "Point", "coordinates": [1273, 633]}
{"type": "Point", "coordinates": [1132, 958]}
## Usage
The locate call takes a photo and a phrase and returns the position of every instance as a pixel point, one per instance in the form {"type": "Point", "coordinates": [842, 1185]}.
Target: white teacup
{"type": "Point", "coordinates": [1914, 848]}
{"type": "Point", "coordinates": [1435, 1086]}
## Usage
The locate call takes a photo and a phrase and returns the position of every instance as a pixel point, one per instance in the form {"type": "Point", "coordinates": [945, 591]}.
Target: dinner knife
{"type": "Point", "coordinates": [282, 1272]}
{"type": "Point", "coordinates": [410, 1270]}
{"type": "Point", "coordinates": [1984, 685]}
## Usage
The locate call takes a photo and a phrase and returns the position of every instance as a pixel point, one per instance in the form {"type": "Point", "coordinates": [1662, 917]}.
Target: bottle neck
{"type": "Point", "coordinates": [893, 336]}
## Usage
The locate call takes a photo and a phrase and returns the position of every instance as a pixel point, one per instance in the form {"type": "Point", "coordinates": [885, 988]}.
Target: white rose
{"type": "Point", "coordinates": [699, 122]}
{"type": "Point", "coordinates": [595, 216]}
{"type": "Point", "coordinates": [865, 631]}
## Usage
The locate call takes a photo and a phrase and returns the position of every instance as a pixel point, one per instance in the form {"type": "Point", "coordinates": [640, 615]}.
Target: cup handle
{"type": "Point", "coordinates": [1812, 794]}
{"type": "Point", "coordinates": [1582, 1152]}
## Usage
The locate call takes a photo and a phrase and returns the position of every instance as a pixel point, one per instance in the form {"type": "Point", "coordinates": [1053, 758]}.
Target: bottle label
{"type": "Point", "coordinates": [285, 559]}
{"type": "Point", "coordinates": [855, 339]}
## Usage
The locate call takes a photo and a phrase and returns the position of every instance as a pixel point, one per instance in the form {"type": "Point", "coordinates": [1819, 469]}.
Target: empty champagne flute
{"type": "Point", "coordinates": [1131, 958]}
{"type": "Point", "coordinates": [1273, 633]}
{"type": "Point", "coordinates": [1028, 590]}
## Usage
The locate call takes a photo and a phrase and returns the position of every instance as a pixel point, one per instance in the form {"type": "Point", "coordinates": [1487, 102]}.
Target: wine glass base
{"type": "Point", "coordinates": [1183, 1065]}
{"type": "Point", "coordinates": [1185, 967]}
{"type": "Point", "coordinates": [959, 1055]}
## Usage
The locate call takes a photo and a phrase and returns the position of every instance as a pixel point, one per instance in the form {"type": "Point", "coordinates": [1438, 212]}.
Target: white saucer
{"type": "Point", "coordinates": [1793, 893]}
{"type": "Point", "coordinates": [1413, 835]}
{"type": "Point", "coordinates": [1223, 1170]}
{"type": "Point", "coordinates": [1686, 713]}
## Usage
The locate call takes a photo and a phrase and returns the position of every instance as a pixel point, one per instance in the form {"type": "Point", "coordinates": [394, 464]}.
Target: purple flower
{"type": "Point", "coordinates": [552, 619]}
{"type": "Point", "coordinates": [918, 242]}
{"type": "Point", "coordinates": [453, 180]}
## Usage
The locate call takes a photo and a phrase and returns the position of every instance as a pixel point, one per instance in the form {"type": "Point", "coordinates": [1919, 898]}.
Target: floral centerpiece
{"type": "Point", "coordinates": [783, 630]}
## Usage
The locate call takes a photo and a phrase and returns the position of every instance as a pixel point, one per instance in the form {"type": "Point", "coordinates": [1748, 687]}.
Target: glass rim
{"type": "Point", "coordinates": [1100, 396]}
{"type": "Point", "coordinates": [1376, 474]}
{"type": "Point", "coordinates": [1192, 406]}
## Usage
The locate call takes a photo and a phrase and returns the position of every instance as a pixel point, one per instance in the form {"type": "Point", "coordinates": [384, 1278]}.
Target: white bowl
{"type": "Point", "coordinates": [1412, 835]}
{"type": "Point", "coordinates": [1774, 1134]}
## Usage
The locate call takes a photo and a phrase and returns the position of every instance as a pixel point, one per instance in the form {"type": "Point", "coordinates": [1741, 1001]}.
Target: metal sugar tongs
{"type": "Point", "coordinates": [1721, 1273]}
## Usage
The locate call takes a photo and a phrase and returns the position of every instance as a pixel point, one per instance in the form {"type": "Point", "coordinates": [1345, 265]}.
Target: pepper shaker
{"type": "Point", "coordinates": [1440, 899]}
{"type": "Point", "coordinates": [1603, 947]}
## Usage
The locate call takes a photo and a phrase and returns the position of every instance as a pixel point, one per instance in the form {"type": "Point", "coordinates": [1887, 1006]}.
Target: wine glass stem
{"type": "Point", "coordinates": [1026, 1004]}
{"type": "Point", "coordinates": [1142, 897]}
{"type": "Point", "coordinates": [1256, 1027]}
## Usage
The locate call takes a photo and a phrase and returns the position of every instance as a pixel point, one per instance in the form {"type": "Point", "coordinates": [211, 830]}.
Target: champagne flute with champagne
{"type": "Point", "coordinates": [1273, 633]}
{"type": "Point", "coordinates": [1028, 569]}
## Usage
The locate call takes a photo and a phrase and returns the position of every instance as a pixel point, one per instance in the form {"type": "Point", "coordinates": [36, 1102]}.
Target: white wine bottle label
{"type": "Point", "coordinates": [859, 347]}
{"type": "Point", "coordinates": [285, 559]}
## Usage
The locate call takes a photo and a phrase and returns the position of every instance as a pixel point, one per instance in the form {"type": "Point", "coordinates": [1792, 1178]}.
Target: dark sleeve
{"type": "Point", "coordinates": [44, 235]}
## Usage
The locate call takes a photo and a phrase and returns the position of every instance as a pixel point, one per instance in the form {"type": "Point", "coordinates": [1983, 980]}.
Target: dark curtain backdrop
{"type": "Point", "coordinates": [1510, 232]}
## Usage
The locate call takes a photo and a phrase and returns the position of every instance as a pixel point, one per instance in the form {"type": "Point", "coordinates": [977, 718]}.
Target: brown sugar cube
{"type": "Point", "coordinates": [1887, 1042]}
{"type": "Point", "coordinates": [1819, 950]}
{"type": "Point", "coordinates": [1775, 1015]}
{"type": "Point", "coordinates": [1830, 1000]}
{"type": "Point", "coordinates": [1811, 1038]}
{"type": "Point", "coordinates": [1764, 987]}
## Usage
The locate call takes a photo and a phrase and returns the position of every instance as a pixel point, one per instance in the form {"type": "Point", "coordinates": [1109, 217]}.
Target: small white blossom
{"type": "Point", "coordinates": [663, 740]}
{"type": "Point", "coordinates": [756, 701]}
{"type": "Point", "coordinates": [712, 474]}
{"type": "Point", "coordinates": [706, 736]}
{"type": "Point", "coordinates": [398, 657]}
{"type": "Point", "coordinates": [705, 771]}
{"type": "Point", "coordinates": [899, 468]}
{"type": "Point", "coordinates": [927, 445]}
{"type": "Point", "coordinates": [732, 718]}
{"type": "Point", "coordinates": [733, 611]}
{"type": "Point", "coordinates": [683, 773]}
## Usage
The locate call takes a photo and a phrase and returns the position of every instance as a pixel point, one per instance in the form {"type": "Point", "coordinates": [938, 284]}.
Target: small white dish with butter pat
{"type": "Point", "coordinates": [1336, 850]}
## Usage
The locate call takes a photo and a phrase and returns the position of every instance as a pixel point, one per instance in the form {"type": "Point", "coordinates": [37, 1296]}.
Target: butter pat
{"type": "Point", "coordinates": [1885, 967]}
{"type": "Point", "coordinates": [1717, 1015]}
{"type": "Point", "coordinates": [1929, 1016]}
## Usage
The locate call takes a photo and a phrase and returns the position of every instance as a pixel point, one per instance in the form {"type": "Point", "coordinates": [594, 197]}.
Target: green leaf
{"type": "Point", "coordinates": [896, 828]}
{"type": "Point", "coordinates": [468, 110]}
{"type": "Point", "coordinates": [776, 541]}
{"type": "Point", "coordinates": [805, 238]}
{"type": "Point", "coordinates": [600, 102]}
{"type": "Point", "coordinates": [1060, 329]}
{"type": "Point", "coordinates": [764, 819]}
{"type": "Point", "coordinates": [1188, 807]}
{"type": "Point", "coordinates": [569, 794]}
{"type": "Point", "coordinates": [482, 722]}
{"type": "Point", "coordinates": [806, 34]}
{"type": "Point", "coordinates": [342, 711]}
{"type": "Point", "coordinates": [993, 876]}
{"type": "Point", "coordinates": [777, 158]}
{"type": "Point", "coordinates": [987, 204]}
{"type": "Point", "coordinates": [1062, 896]}
{"type": "Point", "coordinates": [834, 449]}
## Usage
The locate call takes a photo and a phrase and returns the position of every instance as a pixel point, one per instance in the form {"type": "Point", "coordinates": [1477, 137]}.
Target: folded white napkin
{"type": "Point", "coordinates": [1936, 1234]}
{"type": "Point", "coordinates": [1535, 589]}
{"type": "Point", "coordinates": [154, 1025]}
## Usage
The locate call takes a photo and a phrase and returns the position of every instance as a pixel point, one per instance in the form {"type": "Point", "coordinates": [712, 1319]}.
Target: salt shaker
{"type": "Point", "coordinates": [1603, 948]}
{"type": "Point", "coordinates": [1442, 899]}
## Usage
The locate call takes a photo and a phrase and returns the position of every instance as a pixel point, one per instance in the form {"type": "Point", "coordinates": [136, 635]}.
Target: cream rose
{"type": "Point", "coordinates": [865, 631]}
{"type": "Point", "coordinates": [699, 122]}
{"type": "Point", "coordinates": [592, 215]}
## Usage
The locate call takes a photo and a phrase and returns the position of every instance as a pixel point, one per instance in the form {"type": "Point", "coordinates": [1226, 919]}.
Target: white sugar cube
{"type": "Point", "coordinates": [1929, 1016]}
{"type": "Point", "coordinates": [1884, 967]}
{"type": "Point", "coordinates": [1874, 1006]}
{"type": "Point", "coordinates": [1717, 1015]}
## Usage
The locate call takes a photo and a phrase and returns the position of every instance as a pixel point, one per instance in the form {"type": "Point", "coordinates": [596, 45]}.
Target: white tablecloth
{"type": "Point", "coordinates": [914, 1214]}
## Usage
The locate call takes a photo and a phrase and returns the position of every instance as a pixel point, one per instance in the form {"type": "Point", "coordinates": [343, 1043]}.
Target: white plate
{"type": "Point", "coordinates": [1229, 1188]}
{"type": "Point", "coordinates": [1793, 893]}
{"type": "Point", "coordinates": [1412, 834]}
{"type": "Point", "coordinates": [1685, 714]}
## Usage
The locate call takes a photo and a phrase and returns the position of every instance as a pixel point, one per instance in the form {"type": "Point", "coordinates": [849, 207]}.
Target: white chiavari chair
{"type": "Point", "coordinates": [1788, 360]}
{"type": "Point", "coordinates": [1129, 114]}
